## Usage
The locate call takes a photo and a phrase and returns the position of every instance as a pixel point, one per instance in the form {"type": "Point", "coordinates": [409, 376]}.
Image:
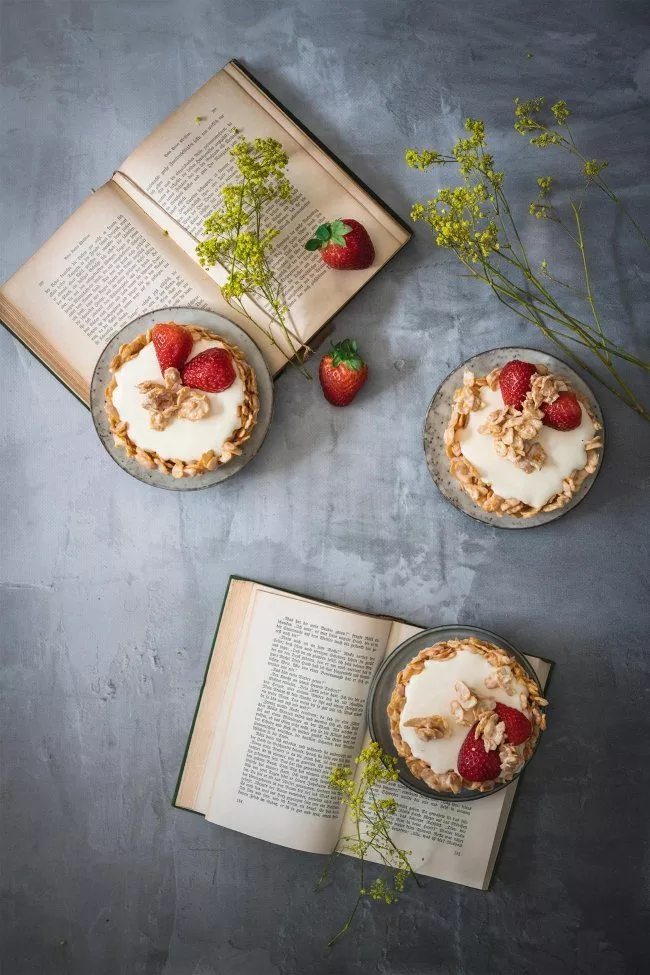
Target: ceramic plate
{"type": "Point", "coordinates": [382, 688]}
{"type": "Point", "coordinates": [437, 419]}
{"type": "Point", "coordinates": [233, 334]}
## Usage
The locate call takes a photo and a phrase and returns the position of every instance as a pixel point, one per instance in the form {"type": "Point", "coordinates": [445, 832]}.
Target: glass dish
{"type": "Point", "coordinates": [437, 418]}
{"type": "Point", "coordinates": [233, 334]}
{"type": "Point", "coordinates": [382, 688]}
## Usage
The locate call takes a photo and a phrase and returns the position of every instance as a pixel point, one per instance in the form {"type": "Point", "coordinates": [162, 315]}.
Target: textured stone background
{"type": "Point", "coordinates": [110, 589]}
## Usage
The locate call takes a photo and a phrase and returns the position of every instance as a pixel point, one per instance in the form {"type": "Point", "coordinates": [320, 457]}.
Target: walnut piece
{"type": "Point", "coordinates": [169, 399]}
{"type": "Point", "coordinates": [430, 728]}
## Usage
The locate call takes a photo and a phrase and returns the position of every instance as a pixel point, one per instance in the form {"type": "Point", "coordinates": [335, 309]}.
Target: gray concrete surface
{"type": "Point", "coordinates": [110, 589]}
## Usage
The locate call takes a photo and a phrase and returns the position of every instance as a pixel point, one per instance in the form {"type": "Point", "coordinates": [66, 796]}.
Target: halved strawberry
{"type": "Point", "coordinates": [474, 763]}
{"type": "Point", "coordinates": [514, 382]}
{"type": "Point", "coordinates": [211, 371]}
{"type": "Point", "coordinates": [172, 343]}
{"type": "Point", "coordinates": [564, 413]}
{"type": "Point", "coordinates": [518, 727]}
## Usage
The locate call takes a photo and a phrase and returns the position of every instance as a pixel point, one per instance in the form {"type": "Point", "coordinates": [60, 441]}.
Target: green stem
{"type": "Point", "coordinates": [603, 185]}
{"type": "Point", "coordinates": [625, 394]}
{"type": "Point", "coordinates": [360, 895]}
{"type": "Point", "coordinates": [583, 254]}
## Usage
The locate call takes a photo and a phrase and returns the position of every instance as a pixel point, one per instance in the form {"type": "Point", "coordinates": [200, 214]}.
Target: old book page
{"type": "Point", "coordinates": [106, 265]}
{"type": "Point", "coordinates": [184, 163]}
{"type": "Point", "coordinates": [455, 841]}
{"type": "Point", "coordinates": [293, 711]}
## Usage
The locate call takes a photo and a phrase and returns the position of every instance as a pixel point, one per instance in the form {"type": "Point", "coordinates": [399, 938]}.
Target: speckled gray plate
{"type": "Point", "coordinates": [382, 688]}
{"type": "Point", "coordinates": [437, 419]}
{"type": "Point", "coordinates": [233, 334]}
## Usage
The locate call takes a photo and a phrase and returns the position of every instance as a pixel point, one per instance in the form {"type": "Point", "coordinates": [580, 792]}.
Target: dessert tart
{"type": "Point", "coordinates": [181, 399]}
{"type": "Point", "coordinates": [521, 440]}
{"type": "Point", "coordinates": [464, 714]}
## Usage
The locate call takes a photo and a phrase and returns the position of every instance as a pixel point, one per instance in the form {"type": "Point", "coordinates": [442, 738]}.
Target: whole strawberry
{"type": "Point", "coordinates": [564, 413]}
{"type": "Point", "coordinates": [343, 245]}
{"type": "Point", "coordinates": [514, 382]}
{"type": "Point", "coordinates": [342, 373]}
{"type": "Point", "coordinates": [474, 763]}
{"type": "Point", "coordinates": [518, 727]}
{"type": "Point", "coordinates": [211, 371]}
{"type": "Point", "coordinates": [172, 343]}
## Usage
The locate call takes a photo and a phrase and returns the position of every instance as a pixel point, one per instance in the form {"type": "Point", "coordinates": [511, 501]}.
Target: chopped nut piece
{"type": "Point", "coordinates": [465, 695]}
{"type": "Point", "coordinates": [491, 730]}
{"type": "Point", "coordinates": [165, 401]}
{"type": "Point", "coordinates": [430, 728]}
{"type": "Point", "coordinates": [451, 782]}
{"type": "Point", "coordinates": [501, 677]}
{"type": "Point", "coordinates": [460, 714]}
{"type": "Point", "coordinates": [514, 435]}
{"type": "Point", "coordinates": [511, 760]}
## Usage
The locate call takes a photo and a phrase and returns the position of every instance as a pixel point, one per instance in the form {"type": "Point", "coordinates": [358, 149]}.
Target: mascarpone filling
{"type": "Point", "coordinates": [565, 453]}
{"type": "Point", "coordinates": [184, 440]}
{"type": "Point", "coordinates": [432, 691]}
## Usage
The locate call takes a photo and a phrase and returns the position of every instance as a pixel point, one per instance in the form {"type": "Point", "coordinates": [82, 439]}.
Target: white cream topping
{"type": "Point", "coordinates": [183, 439]}
{"type": "Point", "coordinates": [431, 692]}
{"type": "Point", "coordinates": [565, 453]}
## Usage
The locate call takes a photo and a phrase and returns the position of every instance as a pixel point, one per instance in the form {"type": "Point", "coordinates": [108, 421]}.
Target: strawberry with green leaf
{"type": "Point", "coordinates": [342, 373]}
{"type": "Point", "coordinates": [343, 244]}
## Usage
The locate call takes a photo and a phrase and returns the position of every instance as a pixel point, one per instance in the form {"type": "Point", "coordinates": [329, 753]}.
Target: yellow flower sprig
{"type": "Point", "coordinates": [372, 817]}
{"type": "Point", "coordinates": [529, 118]}
{"type": "Point", "coordinates": [237, 238]}
{"type": "Point", "coordinates": [475, 221]}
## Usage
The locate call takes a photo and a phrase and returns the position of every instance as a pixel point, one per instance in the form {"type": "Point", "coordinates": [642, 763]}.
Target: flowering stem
{"type": "Point", "coordinates": [235, 238]}
{"type": "Point", "coordinates": [624, 393]}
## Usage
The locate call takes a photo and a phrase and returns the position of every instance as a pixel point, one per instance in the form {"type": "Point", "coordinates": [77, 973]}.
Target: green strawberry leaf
{"type": "Point", "coordinates": [323, 232]}
{"type": "Point", "coordinates": [339, 241]}
{"type": "Point", "coordinates": [346, 353]}
{"type": "Point", "coordinates": [340, 229]}
{"type": "Point", "coordinates": [313, 244]}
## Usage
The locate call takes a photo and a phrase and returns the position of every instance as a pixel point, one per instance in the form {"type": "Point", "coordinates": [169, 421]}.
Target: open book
{"type": "Point", "coordinates": [130, 248]}
{"type": "Point", "coordinates": [282, 703]}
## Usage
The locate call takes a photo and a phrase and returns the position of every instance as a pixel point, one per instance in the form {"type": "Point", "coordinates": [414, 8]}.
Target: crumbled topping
{"type": "Point", "coordinates": [514, 431]}
{"type": "Point", "coordinates": [467, 398]}
{"type": "Point", "coordinates": [491, 730]}
{"type": "Point", "coordinates": [543, 389]}
{"type": "Point", "coordinates": [430, 728]}
{"type": "Point", "coordinates": [501, 677]}
{"type": "Point", "coordinates": [450, 781]}
{"type": "Point", "coordinates": [460, 714]}
{"type": "Point", "coordinates": [511, 760]}
{"type": "Point", "coordinates": [170, 399]}
{"type": "Point", "coordinates": [466, 696]}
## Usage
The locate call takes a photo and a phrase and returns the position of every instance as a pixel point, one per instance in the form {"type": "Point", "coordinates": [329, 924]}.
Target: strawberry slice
{"type": "Point", "coordinates": [564, 413]}
{"type": "Point", "coordinates": [211, 371]}
{"type": "Point", "coordinates": [514, 382]}
{"type": "Point", "coordinates": [172, 343]}
{"type": "Point", "coordinates": [474, 763]}
{"type": "Point", "coordinates": [518, 727]}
